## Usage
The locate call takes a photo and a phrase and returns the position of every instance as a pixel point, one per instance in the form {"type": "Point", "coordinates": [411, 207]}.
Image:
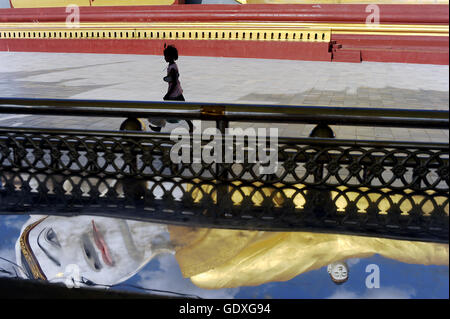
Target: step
{"type": "Point", "coordinates": [343, 55]}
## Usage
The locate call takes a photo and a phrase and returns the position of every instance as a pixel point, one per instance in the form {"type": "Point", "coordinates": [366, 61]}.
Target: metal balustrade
{"type": "Point", "coordinates": [374, 188]}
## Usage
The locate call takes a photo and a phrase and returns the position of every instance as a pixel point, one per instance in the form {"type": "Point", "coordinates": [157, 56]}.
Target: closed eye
{"type": "Point", "coordinates": [51, 237]}
{"type": "Point", "coordinates": [89, 253]}
{"type": "Point", "coordinates": [46, 252]}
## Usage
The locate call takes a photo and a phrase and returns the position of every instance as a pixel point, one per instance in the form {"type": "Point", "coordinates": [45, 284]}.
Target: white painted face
{"type": "Point", "coordinates": [338, 271]}
{"type": "Point", "coordinates": [100, 249]}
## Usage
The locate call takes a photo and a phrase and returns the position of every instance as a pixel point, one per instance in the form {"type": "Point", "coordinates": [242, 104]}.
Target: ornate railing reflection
{"type": "Point", "coordinates": [377, 188]}
{"type": "Point", "coordinates": [395, 190]}
{"type": "Point", "coordinates": [382, 212]}
{"type": "Point", "coordinates": [309, 161]}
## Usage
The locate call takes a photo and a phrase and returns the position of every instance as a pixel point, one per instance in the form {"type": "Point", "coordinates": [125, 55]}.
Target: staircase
{"type": "Point", "coordinates": [395, 49]}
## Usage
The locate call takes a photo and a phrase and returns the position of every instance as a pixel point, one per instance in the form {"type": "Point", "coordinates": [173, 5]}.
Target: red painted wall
{"type": "Point", "coordinates": [217, 48]}
{"type": "Point", "coordinates": [414, 14]}
{"type": "Point", "coordinates": [347, 48]}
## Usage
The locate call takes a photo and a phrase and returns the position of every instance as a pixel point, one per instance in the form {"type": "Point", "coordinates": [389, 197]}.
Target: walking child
{"type": "Point", "coordinates": [174, 91]}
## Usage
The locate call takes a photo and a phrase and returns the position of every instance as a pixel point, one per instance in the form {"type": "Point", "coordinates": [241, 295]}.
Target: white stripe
{"type": "Point", "coordinates": [12, 117]}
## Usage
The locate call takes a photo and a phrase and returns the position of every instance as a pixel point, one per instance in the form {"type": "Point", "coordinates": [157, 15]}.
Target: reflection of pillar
{"type": "Point", "coordinates": [56, 181]}
{"type": "Point", "coordinates": [133, 188]}
{"type": "Point", "coordinates": [420, 172]}
{"type": "Point", "coordinates": [322, 131]}
{"type": "Point", "coordinates": [319, 201]}
{"type": "Point", "coordinates": [221, 172]}
{"type": "Point", "coordinates": [318, 205]}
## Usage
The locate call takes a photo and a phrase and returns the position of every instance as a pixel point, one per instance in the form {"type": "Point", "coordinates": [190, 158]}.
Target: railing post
{"type": "Point", "coordinates": [221, 172]}
{"type": "Point", "coordinates": [419, 174]}
{"type": "Point", "coordinates": [323, 131]}
{"type": "Point", "coordinates": [222, 125]}
{"type": "Point", "coordinates": [318, 200]}
{"type": "Point", "coordinates": [133, 189]}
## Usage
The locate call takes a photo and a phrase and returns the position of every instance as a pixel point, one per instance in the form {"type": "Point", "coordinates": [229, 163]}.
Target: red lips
{"type": "Point", "coordinates": [101, 245]}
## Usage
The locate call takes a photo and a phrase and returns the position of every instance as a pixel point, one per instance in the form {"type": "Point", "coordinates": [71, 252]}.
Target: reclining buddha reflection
{"type": "Point", "coordinates": [109, 251]}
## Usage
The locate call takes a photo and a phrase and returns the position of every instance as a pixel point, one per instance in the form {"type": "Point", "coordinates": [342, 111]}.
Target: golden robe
{"type": "Point", "coordinates": [220, 258]}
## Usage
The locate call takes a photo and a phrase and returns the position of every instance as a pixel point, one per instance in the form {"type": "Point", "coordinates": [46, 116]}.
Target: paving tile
{"type": "Point", "coordinates": [137, 77]}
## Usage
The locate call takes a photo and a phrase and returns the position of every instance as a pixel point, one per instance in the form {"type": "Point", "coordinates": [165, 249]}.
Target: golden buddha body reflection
{"type": "Point", "coordinates": [211, 258]}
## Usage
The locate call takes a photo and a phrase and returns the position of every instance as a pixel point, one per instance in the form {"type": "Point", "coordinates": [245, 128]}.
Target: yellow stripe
{"type": "Point", "coordinates": [165, 31]}
{"type": "Point", "coordinates": [257, 31]}
{"type": "Point", "coordinates": [260, 25]}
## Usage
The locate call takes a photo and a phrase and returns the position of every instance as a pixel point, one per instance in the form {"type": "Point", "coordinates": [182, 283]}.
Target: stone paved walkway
{"type": "Point", "coordinates": [231, 80]}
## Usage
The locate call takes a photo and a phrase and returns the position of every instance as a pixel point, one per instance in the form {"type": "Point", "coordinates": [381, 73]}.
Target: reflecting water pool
{"type": "Point", "coordinates": [130, 255]}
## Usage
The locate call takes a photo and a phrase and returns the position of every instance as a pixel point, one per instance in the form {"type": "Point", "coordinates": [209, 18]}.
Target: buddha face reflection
{"type": "Point", "coordinates": [104, 250]}
{"type": "Point", "coordinates": [338, 272]}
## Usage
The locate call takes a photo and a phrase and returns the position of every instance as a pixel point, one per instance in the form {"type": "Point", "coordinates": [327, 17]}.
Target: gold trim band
{"type": "Point", "coordinates": [28, 252]}
{"type": "Point", "coordinates": [303, 32]}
